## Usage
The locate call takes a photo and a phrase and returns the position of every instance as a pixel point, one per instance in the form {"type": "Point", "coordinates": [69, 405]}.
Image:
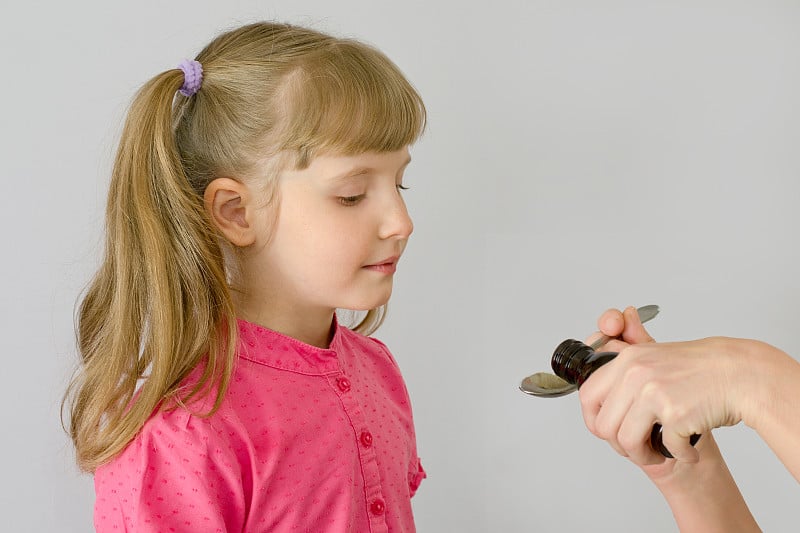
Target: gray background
{"type": "Point", "coordinates": [580, 155]}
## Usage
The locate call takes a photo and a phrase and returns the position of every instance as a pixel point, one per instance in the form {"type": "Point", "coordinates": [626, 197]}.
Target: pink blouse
{"type": "Point", "coordinates": [306, 440]}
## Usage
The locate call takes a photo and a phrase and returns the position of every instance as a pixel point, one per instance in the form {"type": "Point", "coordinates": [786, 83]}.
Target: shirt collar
{"type": "Point", "coordinates": [268, 347]}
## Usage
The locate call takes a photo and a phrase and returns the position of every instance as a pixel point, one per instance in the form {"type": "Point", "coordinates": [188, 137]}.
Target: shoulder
{"type": "Point", "coordinates": [372, 349]}
{"type": "Point", "coordinates": [370, 345]}
{"type": "Point", "coordinates": [175, 437]}
{"type": "Point", "coordinates": [179, 463]}
{"type": "Point", "coordinates": [373, 360]}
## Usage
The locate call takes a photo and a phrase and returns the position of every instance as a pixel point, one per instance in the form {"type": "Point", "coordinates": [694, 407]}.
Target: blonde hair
{"type": "Point", "coordinates": [160, 304]}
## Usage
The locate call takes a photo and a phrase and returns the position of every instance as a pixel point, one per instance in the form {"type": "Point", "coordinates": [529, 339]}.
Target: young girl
{"type": "Point", "coordinates": [256, 191]}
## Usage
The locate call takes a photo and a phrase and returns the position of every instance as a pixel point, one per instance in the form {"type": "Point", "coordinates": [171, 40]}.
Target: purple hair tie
{"type": "Point", "coordinates": [192, 77]}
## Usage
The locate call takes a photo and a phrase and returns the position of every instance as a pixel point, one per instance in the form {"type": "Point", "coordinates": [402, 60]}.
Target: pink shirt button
{"type": "Point", "coordinates": [377, 507]}
{"type": "Point", "coordinates": [366, 439]}
{"type": "Point", "coordinates": [344, 384]}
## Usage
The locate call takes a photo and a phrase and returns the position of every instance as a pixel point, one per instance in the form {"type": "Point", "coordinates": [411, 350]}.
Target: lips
{"type": "Point", "coordinates": [386, 266]}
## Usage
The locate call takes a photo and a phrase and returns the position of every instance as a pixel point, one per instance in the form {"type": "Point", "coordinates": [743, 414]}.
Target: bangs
{"type": "Point", "coordinates": [348, 98]}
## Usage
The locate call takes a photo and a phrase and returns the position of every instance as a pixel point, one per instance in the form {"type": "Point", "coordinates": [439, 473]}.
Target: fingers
{"type": "Point", "coordinates": [606, 421]}
{"type": "Point", "coordinates": [679, 446]}
{"type": "Point", "coordinates": [623, 399]}
{"type": "Point", "coordinates": [624, 325]}
{"type": "Point", "coordinates": [615, 405]}
{"type": "Point", "coordinates": [604, 427]}
{"type": "Point", "coordinates": [643, 439]}
{"type": "Point", "coordinates": [634, 437]}
{"type": "Point", "coordinates": [614, 413]}
{"type": "Point", "coordinates": [629, 426]}
{"type": "Point", "coordinates": [633, 331]}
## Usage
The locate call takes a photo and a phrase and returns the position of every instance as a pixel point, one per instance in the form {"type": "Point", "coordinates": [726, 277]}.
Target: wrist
{"type": "Point", "coordinates": [771, 377]}
{"type": "Point", "coordinates": [703, 496]}
{"type": "Point", "coordinates": [765, 365]}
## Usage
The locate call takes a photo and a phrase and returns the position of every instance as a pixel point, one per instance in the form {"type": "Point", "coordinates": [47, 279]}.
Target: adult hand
{"type": "Point", "coordinates": [688, 387]}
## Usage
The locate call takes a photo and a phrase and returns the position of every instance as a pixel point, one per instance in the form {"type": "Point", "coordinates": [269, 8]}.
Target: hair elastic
{"type": "Point", "coordinates": [192, 76]}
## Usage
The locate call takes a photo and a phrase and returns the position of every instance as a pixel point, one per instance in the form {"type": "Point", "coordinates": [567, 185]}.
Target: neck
{"type": "Point", "coordinates": [314, 327]}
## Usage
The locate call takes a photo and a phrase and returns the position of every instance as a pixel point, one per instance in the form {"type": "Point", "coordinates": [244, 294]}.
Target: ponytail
{"type": "Point", "coordinates": [159, 303]}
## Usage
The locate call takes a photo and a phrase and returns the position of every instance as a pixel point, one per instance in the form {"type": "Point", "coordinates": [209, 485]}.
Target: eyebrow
{"type": "Point", "coordinates": [360, 171]}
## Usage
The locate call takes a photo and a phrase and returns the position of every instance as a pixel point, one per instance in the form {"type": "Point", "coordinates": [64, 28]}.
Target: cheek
{"type": "Point", "coordinates": [326, 238]}
{"type": "Point", "coordinates": [346, 225]}
{"type": "Point", "coordinates": [340, 244]}
{"type": "Point", "coordinates": [330, 236]}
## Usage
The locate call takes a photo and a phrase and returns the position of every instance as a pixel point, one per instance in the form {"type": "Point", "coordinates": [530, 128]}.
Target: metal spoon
{"type": "Point", "coordinates": [547, 385]}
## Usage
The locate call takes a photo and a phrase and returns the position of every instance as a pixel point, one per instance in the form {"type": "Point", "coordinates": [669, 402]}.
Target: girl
{"type": "Point", "coordinates": [691, 388]}
{"type": "Point", "coordinates": [256, 191]}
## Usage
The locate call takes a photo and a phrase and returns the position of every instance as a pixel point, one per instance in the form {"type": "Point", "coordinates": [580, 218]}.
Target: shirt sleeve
{"type": "Point", "coordinates": [179, 474]}
{"type": "Point", "coordinates": [415, 478]}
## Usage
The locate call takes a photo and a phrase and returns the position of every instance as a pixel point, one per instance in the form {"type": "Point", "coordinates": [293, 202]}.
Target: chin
{"type": "Point", "coordinates": [373, 302]}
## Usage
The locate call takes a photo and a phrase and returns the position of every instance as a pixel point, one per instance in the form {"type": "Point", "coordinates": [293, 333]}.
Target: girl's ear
{"type": "Point", "coordinates": [229, 204]}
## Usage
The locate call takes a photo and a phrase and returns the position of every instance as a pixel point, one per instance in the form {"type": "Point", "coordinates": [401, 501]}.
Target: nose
{"type": "Point", "coordinates": [395, 221]}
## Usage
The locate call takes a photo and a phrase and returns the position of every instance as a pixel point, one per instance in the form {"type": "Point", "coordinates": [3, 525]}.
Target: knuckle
{"type": "Point", "coordinates": [615, 345]}
{"type": "Point", "coordinates": [603, 428]}
{"type": "Point", "coordinates": [589, 403]}
{"type": "Point", "coordinates": [638, 375]}
{"type": "Point", "coordinates": [619, 450]}
{"type": "Point", "coordinates": [628, 441]}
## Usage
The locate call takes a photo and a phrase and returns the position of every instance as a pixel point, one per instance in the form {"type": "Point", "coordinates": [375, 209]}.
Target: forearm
{"type": "Point", "coordinates": [764, 393]}
{"type": "Point", "coordinates": [703, 496]}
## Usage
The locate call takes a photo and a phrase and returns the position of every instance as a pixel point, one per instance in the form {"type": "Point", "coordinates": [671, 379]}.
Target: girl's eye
{"type": "Point", "coordinates": [402, 187]}
{"type": "Point", "coordinates": [351, 200]}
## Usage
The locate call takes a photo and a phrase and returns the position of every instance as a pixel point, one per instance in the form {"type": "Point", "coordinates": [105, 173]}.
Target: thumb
{"type": "Point", "coordinates": [611, 323]}
{"type": "Point", "coordinates": [634, 332]}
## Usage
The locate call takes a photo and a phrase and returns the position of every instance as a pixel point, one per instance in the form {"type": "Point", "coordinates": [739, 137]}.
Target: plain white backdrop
{"type": "Point", "coordinates": [580, 155]}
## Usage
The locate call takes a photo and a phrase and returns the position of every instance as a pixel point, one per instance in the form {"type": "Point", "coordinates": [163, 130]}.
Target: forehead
{"type": "Point", "coordinates": [339, 166]}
